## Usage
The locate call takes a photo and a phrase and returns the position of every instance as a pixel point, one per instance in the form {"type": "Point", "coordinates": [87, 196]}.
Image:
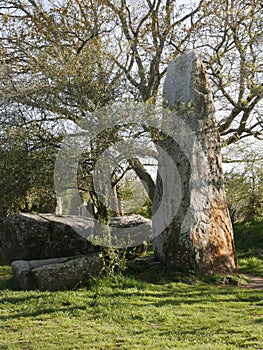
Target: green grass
{"type": "Point", "coordinates": [125, 313]}
{"type": "Point", "coordinates": [147, 309]}
{"type": "Point", "coordinates": [249, 247]}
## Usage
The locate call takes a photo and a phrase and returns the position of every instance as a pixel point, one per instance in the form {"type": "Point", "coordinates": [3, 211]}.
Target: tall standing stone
{"type": "Point", "coordinates": [199, 237]}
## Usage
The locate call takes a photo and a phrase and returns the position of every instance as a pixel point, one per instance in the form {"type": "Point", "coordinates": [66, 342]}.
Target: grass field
{"type": "Point", "coordinates": [249, 247]}
{"type": "Point", "coordinates": [139, 310]}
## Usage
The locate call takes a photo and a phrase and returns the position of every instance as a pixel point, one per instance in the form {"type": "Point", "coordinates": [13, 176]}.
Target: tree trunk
{"type": "Point", "coordinates": [192, 230]}
{"type": "Point", "coordinates": [144, 176]}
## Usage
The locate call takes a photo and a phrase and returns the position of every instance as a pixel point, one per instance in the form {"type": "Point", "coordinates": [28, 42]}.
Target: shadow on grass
{"type": "Point", "coordinates": [98, 299]}
{"type": "Point", "coordinates": [40, 312]}
{"type": "Point", "coordinates": [160, 275]}
{"type": "Point", "coordinates": [129, 289]}
{"type": "Point", "coordinates": [150, 285]}
{"type": "Point", "coordinates": [258, 320]}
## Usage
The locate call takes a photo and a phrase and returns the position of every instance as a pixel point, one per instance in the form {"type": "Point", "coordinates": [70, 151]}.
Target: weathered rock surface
{"type": "Point", "coordinates": [136, 230]}
{"type": "Point", "coordinates": [28, 237]}
{"type": "Point", "coordinates": [45, 236]}
{"type": "Point", "coordinates": [54, 274]}
{"type": "Point", "coordinates": [191, 228]}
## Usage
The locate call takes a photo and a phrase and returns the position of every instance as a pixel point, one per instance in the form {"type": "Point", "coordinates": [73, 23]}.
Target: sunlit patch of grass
{"type": "Point", "coordinates": [251, 265]}
{"type": "Point", "coordinates": [149, 308]}
{"type": "Point", "coordinates": [249, 247]}
{"type": "Point", "coordinates": [5, 270]}
{"type": "Point", "coordinates": [124, 312]}
{"type": "Point", "coordinates": [249, 238]}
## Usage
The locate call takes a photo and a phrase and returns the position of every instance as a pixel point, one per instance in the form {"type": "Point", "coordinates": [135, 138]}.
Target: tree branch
{"type": "Point", "coordinates": [144, 176]}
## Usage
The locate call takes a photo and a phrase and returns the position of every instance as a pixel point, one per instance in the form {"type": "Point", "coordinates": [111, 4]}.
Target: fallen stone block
{"type": "Point", "coordinates": [54, 274]}
{"type": "Point", "coordinates": [27, 236]}
{"type": "Point", "coordinates": [136, 232]}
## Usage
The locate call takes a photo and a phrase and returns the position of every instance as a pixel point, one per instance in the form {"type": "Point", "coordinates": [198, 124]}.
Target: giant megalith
{"type": "Point", "coordinates": [199, 237]}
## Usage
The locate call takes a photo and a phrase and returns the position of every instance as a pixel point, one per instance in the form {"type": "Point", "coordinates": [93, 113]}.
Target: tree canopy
{"type": "Point", "coordinates": [63, 59]}
{"type": "Point", "coordinates": [66, 58]}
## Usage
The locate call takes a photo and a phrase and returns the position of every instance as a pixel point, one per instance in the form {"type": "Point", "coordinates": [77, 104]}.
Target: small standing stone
{"type": "Point", "coordinates": [59, 207]}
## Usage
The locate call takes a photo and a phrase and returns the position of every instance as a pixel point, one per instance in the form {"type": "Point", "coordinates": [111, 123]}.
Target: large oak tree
{"type": "Point", "coordinates": [60, 60]}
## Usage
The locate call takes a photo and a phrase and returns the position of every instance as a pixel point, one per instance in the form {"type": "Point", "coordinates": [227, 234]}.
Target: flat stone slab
{"type": "Point", "coordinates": [54, 274]}
{"type": "Point", "coordinates": [135, 230]}
{"type": "Point", "coordinates": [27, 236]}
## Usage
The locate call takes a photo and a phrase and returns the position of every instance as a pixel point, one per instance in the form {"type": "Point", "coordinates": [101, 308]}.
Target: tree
{"type": "Point", "coordinates": [227, 33]}
{"type": "Point", "coordinates": [53, 67]}
{"type": "Point", "coordinates": [148, 35]}
{"type": "Point", "coordinates": [77, 54]}
{"type": "Point", "coordinates": [244, 181]}
{"type": "Point", "coordinates": [63, 61]}
{"type": "Point", "coordinates": [230, 38]}
{"type": "Point", "coordinates": [69, 58]}
{"type": "Point", "coordinates": [53, 57]}
{"type": "Point", "coordinates": [26, 182]}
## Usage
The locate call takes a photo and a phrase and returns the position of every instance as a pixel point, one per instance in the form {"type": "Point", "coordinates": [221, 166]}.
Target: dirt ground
{"type": "Point", "coordinates": [256, 282]}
